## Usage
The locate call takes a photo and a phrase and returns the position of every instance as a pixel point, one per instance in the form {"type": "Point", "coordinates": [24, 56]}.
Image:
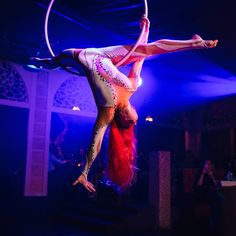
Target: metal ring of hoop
{"type": "Point", "coordinates": [120, 62]}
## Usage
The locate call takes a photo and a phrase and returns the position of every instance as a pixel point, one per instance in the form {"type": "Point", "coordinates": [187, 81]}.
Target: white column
{"type": "Point", "coordinates": [38, 138]}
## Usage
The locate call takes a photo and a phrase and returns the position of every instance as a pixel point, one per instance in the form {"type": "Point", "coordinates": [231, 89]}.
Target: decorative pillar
{"type": "Point", "coordinates": [38, 138]}
{"type": "Point", "coordinates": [160, 188]}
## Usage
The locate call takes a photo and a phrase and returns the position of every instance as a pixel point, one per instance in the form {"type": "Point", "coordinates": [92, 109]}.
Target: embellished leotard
{"type": "Point", "coordinates": [105, 78]}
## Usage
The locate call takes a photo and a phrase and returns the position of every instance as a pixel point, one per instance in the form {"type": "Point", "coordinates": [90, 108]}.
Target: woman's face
{"type": "Point", "coordinates": [208, 165]}
{"type": "Point", "coordinates": [126, 116]}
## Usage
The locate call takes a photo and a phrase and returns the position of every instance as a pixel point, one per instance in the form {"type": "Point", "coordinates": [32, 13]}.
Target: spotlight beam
{"type": "Point", "coordinates": [67, 17]}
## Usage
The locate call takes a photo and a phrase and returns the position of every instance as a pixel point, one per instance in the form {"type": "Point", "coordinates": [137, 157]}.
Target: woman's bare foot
{"type": "Point", "coordinates": [83, 180]}
{"type": "Point", "coordinates": [201, 43]}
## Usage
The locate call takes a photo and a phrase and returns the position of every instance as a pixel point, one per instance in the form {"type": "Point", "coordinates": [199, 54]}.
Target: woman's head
{"type": "Point", "coordinates": [209, 165]}
{"type": "Point", "coordinates": [125, 117]}
{"type": "Point", "coordinates": [122, 147]}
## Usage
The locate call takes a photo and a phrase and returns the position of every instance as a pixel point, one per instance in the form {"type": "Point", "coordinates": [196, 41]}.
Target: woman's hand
{"type": "Point", "coordinates": [145, 23]}
{"type": "Point", "coordinates": [83, 180]}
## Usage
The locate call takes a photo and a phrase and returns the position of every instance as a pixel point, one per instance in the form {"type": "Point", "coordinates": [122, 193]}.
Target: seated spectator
{"type": "Point", "coordinates": [206, 180]}
{"type": "Point", "coordinates": [207, 205]}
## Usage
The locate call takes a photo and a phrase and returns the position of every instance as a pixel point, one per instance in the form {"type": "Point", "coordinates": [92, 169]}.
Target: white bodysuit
{"type": "Point", "coordinates": [104, 74]}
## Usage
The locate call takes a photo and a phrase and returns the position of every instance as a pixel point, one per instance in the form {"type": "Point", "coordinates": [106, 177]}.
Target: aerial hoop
{"type": "Point", "coordinates": [120, 62]}
{"type": "Point", "coordinates": [68, 69]}
{"type": "Point", "coordinates": [138, 41]}
{"type": "Point", "coordinates": [46, 28]}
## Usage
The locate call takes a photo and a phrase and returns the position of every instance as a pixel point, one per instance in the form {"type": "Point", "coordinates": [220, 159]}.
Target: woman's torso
{"type": "Point", "coordinates": [101, 71]}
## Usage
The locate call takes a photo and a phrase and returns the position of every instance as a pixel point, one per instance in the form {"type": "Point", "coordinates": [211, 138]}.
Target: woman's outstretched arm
{"type": "Point", "coordinates": [105, 116]}
{"type": "Point", "coordinates": [135, 72]}
{"type": "Point", "coordinates": [136, 68]}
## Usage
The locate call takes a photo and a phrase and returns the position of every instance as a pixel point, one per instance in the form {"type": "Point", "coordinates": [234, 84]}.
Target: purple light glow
{"type": "Point", "coordinates": [211, 86]}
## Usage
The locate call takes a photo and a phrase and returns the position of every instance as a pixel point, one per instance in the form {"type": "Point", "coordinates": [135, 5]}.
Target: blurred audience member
{"type": "Point", "coordinates": [207, 196]}
{"type": "Point", "coordinates": [231, 170]}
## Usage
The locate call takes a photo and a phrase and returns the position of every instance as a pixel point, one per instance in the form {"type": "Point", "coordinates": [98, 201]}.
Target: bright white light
{"type": "Point", "coordinates": [140, 81]}
{"type": "Point", "coordinates": [75, 108]}
{"type": "Point", "coordinates": [149, 119]}
{"type": "Point", "coordinates": [34, 67]}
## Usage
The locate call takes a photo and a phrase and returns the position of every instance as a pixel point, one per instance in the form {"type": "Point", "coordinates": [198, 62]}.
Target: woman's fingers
{"type": "Point", "coordinates": [76, 182]}
{"type": "Point", "coordinates": [88, 185]}
{"type": "Point", "coordinates": [145, 23]}
{"type": "Point", "coordinates": [145, 19]}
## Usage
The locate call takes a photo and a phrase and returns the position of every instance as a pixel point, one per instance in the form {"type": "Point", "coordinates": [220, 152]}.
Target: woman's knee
{"type": "Point", "coordinates": [68, 52]}
{"type": "Point", "coordinates": [65, 58]}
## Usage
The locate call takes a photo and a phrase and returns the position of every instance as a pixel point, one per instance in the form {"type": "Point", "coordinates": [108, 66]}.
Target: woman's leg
{"type": "Point", "coordinates": [105, 116]}
{"type": "Point", "coordinates": [167, 45]}
{"type": "Point", "coordinates": [63, 59]}
{"type": "Point", "coordinates": [46, 63]}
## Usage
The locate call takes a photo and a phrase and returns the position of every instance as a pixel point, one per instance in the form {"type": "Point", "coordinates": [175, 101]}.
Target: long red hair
{"type": "Point", "coordinates": [121, 154]}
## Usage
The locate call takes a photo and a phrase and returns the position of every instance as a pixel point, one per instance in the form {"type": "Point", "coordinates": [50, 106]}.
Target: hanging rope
{"type": "Point", "coordinates": [119, 63]}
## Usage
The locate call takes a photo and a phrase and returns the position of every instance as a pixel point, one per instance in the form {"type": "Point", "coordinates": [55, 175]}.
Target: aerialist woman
{"type": "Point", "coordinates": [112, 91]}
